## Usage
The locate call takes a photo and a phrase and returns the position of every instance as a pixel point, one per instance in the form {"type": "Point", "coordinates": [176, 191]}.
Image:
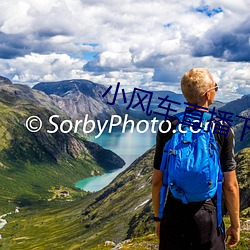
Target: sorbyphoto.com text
{"type": "Point", "coordinates": [87, 126]}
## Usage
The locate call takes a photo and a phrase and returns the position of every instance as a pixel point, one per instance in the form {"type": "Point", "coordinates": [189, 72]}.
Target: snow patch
{"type": "Point", "coordinates": [4, 222]}
{"type": "Point", "coordinates": [142, 204]}
{"type": "Point", "coordinates": [143, 186]}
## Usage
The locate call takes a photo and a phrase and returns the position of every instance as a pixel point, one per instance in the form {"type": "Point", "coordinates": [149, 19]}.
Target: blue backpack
{"type": "Point", "coordinates": [191, 166]}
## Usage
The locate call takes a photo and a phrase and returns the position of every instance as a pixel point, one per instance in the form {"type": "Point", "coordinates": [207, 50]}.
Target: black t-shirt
{"type": "Point", "coordinates": [225, 143]}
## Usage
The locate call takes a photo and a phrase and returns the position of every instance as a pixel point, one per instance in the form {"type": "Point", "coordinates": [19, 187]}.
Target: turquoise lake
{"type": "Point", "coordinates": [129, 146]}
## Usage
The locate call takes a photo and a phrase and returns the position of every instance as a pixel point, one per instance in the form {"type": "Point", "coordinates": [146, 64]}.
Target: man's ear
{"type": "Point", "coordinates": [207, 95]}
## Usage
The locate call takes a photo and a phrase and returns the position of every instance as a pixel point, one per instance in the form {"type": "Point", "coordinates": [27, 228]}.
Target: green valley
{"type": "Point", "coordinates": [38, 172]}
{"type": "Point", "coordinates": [32, 163]}
{"type": "Point", "coordinates": [120, 212]}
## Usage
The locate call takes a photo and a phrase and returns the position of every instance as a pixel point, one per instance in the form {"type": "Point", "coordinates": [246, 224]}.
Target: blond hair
{"type": "Point", "coordinates": [195, 83]}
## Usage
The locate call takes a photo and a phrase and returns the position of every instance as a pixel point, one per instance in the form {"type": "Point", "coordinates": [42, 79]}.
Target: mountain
{"type": "Point", "coordinates": [239, 107]}
{"type": "Point", "coordinates": [4, 80]}
{"type": "Point", "coordinates": [155, 101]}
{"type": "Point", "coordinates": [121, 211]}
{"type": "Point", "coordinates": [242, 139]}
{"type": "Point", "coordinates": [80, 97]}
{"type": "Point", "coordinates": [31, 164]}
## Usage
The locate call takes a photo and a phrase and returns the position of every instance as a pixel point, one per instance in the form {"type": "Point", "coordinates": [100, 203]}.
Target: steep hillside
{"type": "Point", "coordinates": [130, 196]}
{"type": "Point", "coordinates": [106, 215]}
{"type": "Point", "coordinates": [116, 208]}
{"type": "Point", "coordinates": [239, 107]}
{"type": "Point", "coordinates": [32, 163]}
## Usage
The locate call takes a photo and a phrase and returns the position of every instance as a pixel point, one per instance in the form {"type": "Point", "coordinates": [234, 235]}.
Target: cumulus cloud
{"type": "Point", "coordinates": [148, 44]}
{"type": "Point", "coordinates": [34, 68]}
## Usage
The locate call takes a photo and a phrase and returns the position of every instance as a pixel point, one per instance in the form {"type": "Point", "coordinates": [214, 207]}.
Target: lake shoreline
{"type": "Point", "coordinates": [129, 146]}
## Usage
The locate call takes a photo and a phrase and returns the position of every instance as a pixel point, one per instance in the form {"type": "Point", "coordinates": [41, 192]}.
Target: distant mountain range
{"type": "Point", "coordinates": [237, 107]}
{"type": "Point", "coordinates": [80, 97]}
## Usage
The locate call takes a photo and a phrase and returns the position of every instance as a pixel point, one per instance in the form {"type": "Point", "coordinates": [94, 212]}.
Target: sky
{"type": "Point", "coordinates": [148, 44]}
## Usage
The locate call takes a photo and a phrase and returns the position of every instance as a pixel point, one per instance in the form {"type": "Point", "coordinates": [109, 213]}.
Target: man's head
{"type": "Point", "coordinates": [198, 87]}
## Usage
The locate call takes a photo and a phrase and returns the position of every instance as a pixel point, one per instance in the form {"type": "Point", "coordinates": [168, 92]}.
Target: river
{"type": "Point", "coordinates": [128, 146]}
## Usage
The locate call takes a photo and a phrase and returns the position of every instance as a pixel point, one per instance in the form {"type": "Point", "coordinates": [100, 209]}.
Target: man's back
{"type": "Point", "coordinates": [194, 225]}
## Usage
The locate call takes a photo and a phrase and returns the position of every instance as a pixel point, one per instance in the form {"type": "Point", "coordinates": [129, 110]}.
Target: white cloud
{"type": "Point", "coordinates": [140, 43]}
{"type": "Point", "coordinates": [35, 68]}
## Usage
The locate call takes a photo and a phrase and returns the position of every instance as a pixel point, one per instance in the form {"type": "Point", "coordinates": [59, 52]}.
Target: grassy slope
{"type": "Point", "coordinates": [104, 217]}
{"type": "Point", "coordinates": [48, 226]}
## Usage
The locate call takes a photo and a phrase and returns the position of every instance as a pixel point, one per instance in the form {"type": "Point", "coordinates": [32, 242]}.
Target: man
{"type": "Point", "coordinates": [194, 225]}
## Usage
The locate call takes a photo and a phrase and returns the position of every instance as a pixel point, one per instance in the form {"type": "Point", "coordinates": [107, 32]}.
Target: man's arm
{"type": "Point", "coordinates": [231, 195]}
{"type": "Point", "coordinates": [157, 179]}
{"type": "Point", "coordinates": [156, 187]}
